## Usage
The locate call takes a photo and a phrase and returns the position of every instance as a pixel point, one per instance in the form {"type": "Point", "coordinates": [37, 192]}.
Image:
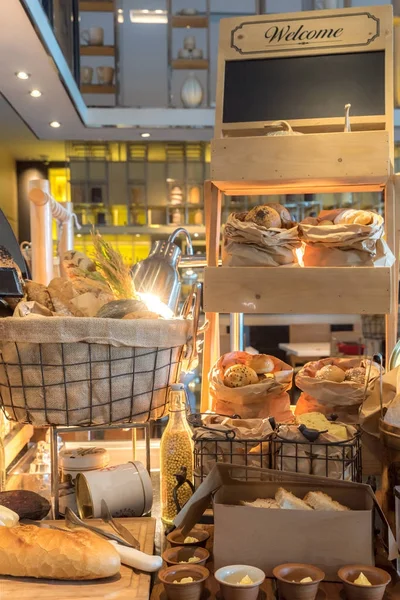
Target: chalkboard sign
{"type": "Point", "coordinates": [304, 87]}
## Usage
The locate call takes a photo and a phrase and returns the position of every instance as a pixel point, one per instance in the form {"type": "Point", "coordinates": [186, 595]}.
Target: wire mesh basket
{"type": "Point", "coordinates": [221, 446]}
{"type": "Point", "coordinates": [85, 381]}
{"type": "Point", "coordinates": [337, 460]}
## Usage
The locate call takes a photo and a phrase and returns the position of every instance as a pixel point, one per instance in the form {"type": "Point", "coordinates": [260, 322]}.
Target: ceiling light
{"type": "Point", "coordinates": [55, 124]}
{"type": "Point", "coordinates": [145, 135]}
{"type": "Point", "coordinates": [78, 235]}
{"type": "Point", "coordinates": [159, 12]}
{"type": "Point", "coordinates": [35, 93]}
{"type": "Point", "coordinates": [138, 235]}
{"type": "Point", "coordinates": [22, 75]}
{"type": "Point", "coordinates": [120, 10]}
{"type": "Point", "coordinates": [196, 235]}
{"type": "Point", "coordinates": [145, 11]}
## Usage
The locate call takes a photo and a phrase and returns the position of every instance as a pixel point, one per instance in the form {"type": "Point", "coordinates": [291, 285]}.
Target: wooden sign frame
{"type": "Point", "coordinates": [273, 36]}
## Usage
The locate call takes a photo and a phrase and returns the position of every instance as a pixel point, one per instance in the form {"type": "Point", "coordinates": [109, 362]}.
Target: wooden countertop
{"type": "Point", "coordinates": [327, 591]}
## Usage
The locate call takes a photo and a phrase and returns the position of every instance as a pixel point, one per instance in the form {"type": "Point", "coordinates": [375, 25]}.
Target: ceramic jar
{"type": "Point", "coordinates": [191, 92]}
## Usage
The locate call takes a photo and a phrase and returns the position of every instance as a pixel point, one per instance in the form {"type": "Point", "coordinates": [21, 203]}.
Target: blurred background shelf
{"type": "Point", "coordinates": [96, 6]}
{"type": "Point", "coordinates": [196, 21]}
{"type": "Point", "coordinates": [190, 63]}
{"type": "Point", "coordinates": [98, 89]}
{"type": "Point", "coordinates": [97, 50]}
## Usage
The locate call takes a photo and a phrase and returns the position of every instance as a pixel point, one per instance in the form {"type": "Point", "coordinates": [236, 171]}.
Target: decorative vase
{"type": "Point", "coordinates": [191, 92]}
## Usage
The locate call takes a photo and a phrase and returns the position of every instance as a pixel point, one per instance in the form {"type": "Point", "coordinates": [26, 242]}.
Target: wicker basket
{"type": "Point", "coordinates": [81, 371]}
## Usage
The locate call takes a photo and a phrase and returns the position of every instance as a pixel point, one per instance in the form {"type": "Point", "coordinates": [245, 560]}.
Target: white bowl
{"type": "Point", "coordinates": [232, 574]}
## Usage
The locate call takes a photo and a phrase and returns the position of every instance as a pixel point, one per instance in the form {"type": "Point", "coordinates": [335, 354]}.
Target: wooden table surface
{"type": "Point", "coordinates": [327, 591]}
{"type": "Point", "coordinates": [127, 585]}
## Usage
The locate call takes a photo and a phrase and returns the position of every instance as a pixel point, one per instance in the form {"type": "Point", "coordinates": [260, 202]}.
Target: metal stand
{"type": "Point", "coordinates": [236, 331]}
{"type": "Point", "coordinates": [56, 431]}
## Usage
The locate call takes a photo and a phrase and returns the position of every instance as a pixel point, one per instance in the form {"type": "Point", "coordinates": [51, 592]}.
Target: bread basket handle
{"type": "Point", "coordinates": [280, 125]}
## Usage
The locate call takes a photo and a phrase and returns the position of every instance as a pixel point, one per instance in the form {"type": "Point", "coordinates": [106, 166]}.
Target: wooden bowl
{"type": "Point", "coordinates": [180, 554]}
{"type": "Point", "coordinates": [378, 577]}
{"type": "Point", "coordinates": [289, 576]}
{"type": "Point", "coordinates": [229, 580]}
{"type": "Point", "coordinates": [184, 591]}
{"type": "Point", "coordinates": [176, 538]}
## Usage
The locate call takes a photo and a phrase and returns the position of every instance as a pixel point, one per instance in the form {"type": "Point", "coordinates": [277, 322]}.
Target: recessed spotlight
{"type": "Point", "coordinates": [120, 10]}
{"type": "Point", "coordinates": [196, 235]}
{"type": "Point", "coordinates": [55, 124]}
{"type": "Point", "coordinates": [159, 11]}
{"type": "Point", "coordinates": [22, 75]}
{"type": "Point", "coordinates": [145, 11]}
{"type": "Point", "coordinates": [35, 93]}
{"type": "Point", "coordinates": [145, 135]}
{"type": "Point", "coordinates": [138, 235]}
{"type": "Point", "coordinates": [78, 235]}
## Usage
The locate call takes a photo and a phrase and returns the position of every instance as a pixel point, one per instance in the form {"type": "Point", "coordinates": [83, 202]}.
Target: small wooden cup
{"type": "Point", "coordinates": [289, 576]}
{"type": "Point", "coordinates": [176, 538]}
{"type": "Point", "coordinates": [184, 591]}
{"type": "Point", "coordinates": [181, 554]}
{"type": "Point", "coordinates": [377, 577]}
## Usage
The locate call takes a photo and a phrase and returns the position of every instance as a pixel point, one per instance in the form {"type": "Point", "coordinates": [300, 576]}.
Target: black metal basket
{"type": "Point", "coordinates": [338, 460]}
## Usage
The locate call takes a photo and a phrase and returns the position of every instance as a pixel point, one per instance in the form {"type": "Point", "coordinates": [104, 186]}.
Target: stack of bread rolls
{"type": "Point", "coordinates": [257, 368]}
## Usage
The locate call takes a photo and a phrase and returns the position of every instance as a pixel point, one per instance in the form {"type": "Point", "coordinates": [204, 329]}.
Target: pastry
{"type": "Point", "coordinates": [264, 216]}
{"type": "Point", "coordinates": [289, 501]}
{"type": "Point", "coordinates": [29, 551]}
{"type": "Point", "coordinates": [239, 376]}
{"type": "Point", "coordinates": [330, 373]}
{"type": "Point", "coordinates": [357, 375]}
{"type": "Point", "coordinates": [321, 501]}
{"type": "Point", "coordinates": [261, 363]}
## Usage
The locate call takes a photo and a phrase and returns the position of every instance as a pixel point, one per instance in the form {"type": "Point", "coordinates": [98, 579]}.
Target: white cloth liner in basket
{"type": "Point", "coordinates": [88, 371]}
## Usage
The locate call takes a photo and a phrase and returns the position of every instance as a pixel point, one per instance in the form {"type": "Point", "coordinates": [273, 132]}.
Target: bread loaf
{"type": "Point", "coordinates": [321, 501]}
{"type": "Point", "coordinates": [264, 216]}
{"type": "Point", "coordinates": [30, 551]}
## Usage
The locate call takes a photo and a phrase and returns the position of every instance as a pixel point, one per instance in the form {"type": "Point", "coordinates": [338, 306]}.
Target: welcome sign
{"type": "Point", "coordinates": [348, 30]}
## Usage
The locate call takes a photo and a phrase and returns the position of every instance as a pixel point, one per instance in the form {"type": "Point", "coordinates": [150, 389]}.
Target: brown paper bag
{"type": "Point", "coordinates": [261, 400]}
{"type": "Point", "coordinates": [371, 409]}
{"type": "Point", "coordinates": [249, 244]}
{"type": "Point", "coordinates": [342, 244]}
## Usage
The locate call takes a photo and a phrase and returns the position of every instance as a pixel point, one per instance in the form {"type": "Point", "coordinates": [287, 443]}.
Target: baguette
{"type": "Point", "coordinates": [29, 551]}
{"type": "Point", "coordinates": [287, 500]}
{"type": "Point", "coordinates": [321, 501]}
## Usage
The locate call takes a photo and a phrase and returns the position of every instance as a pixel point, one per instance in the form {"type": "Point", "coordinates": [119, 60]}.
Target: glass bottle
{"type": "Point", "coordinates": [176, 451]}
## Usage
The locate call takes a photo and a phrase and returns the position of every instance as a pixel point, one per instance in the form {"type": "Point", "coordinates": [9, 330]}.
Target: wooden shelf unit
{"type": "Point", "coordinates": [98, 89]}
{"type": "Point", "coordinates": [97, 50]}
{"type": "Point", "coordinates": [100, 6]}
{"type": "Point", "coordinates": [188, 21]}
{"type": "Point", "coordinates": [190, 64]}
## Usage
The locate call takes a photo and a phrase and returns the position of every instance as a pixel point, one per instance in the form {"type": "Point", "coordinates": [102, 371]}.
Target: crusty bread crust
{"type": "Point", "coordinates": [30, 551]}
{"type": "Point", "coordinates": [321, 501]}
{"type": "Point", "coordinates": [287, 500]}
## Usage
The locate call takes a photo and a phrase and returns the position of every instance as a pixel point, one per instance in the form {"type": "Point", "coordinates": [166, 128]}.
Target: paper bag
{"type": "Point", "coordinates": [371, 409]}
{"type": "Point", "coordinates": [249, 244]}
{"type": "Point", "coordinates": [268, 398]}
{"type": "Point", "coordinates": [330, 397]}
{"type": "Point", "coordinates": [344, 244]}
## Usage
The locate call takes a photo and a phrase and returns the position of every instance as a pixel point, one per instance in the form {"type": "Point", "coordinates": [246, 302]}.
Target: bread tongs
{"type": "Point", "coordinates": [72, 520]}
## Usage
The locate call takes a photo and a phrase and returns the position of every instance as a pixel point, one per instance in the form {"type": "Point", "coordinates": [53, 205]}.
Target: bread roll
{"type": "Point", "coordinates": [321, 501]}
{"type": "Point", "coordinates": [325, 223]}
{"type": "Point", "coordinates": [330, 373]}
{"type": "Point", "coordinates": [265, 216]}
{"type": "Point", "coordinates": [282, 212]}
{"type": "Point", "coordinates": [29, 551]}
{"type": "Point", "coordinates": [289, 501]}
{"type": "Point", "coordinates": [350, 216]}
{"type": "Point", "coordinates": [357, 375]}
{"type": "Point", "coordinates": [261, 363]}
{"type": "Point", "coordinates": [239, 376]}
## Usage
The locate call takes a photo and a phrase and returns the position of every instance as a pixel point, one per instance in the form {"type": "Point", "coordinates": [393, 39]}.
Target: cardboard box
{"type": "Point", "coordinates": [265, 538]}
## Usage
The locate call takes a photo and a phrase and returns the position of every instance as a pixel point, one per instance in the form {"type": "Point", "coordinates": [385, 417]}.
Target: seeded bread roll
{"type": "Point", "coordinates": [239, 376]}
{"type": "Point", "coordinates": [357, 375]}
{"type": "Point", "coordinates": [265, 216]}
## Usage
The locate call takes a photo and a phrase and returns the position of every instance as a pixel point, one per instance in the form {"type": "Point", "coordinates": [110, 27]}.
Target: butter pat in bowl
{"type": "Point", "coordinates": [184, 582]}
{"type": "Point", "coordinates": [298, 581]}
{"type": "Point", "coordinates": [186, 554]}
{"type": "Point", "coordinates": [195, 537]}
{"type": "Point", "coordinates": [363, 582]}
{"type": "Point", "coordinates": [239, 582]}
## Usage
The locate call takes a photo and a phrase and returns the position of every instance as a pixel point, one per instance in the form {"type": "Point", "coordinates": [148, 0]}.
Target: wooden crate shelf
{"type": "Point", "coordinates": [98, 89]}
{"type": "Point", "coordinates": [96, 6]}
{"type": "Point", "coordinates": [322, 160]}
{"type": "Point", "coordinates": [309, 290]}
{"type": "Point", "coordinates": [198, 21]}
{"type": "Point", "coordinates": [190, 63]}
{"type": "Point", "coordinates": [97, 50]}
